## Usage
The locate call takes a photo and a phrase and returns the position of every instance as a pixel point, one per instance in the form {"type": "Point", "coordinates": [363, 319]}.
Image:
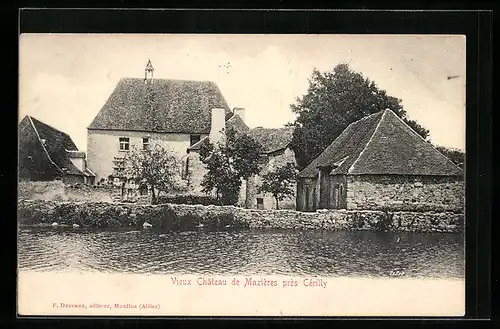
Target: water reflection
{"type": "Point", "coordinates": [243, 252]}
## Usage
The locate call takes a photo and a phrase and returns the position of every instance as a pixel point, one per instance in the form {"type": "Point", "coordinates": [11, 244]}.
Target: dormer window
{"type": "Point", "coordinates": [145, 143]}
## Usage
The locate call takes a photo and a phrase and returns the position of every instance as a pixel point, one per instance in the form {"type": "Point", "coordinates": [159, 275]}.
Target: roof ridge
{"type": "Point", "coordinates": [51, 127]}
{"type": "Point", "coordinates": [278, 128]}
{"type": "Point", "coordinates": [232, 117]}
{"type": "Point", "coordinates": [414, 132]}
{"type": "Point", "coordinates": [357, 121]}
{"type": "Point", "coordinates": [369, 141]}
{"type": "Point", "coordinates": [26, 117]}
{"type": "Point", "coordinates": [43, 145]}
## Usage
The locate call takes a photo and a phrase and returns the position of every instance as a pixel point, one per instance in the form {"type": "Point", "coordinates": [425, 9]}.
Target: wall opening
{"type": "Point", "coordinates": [260, 203]}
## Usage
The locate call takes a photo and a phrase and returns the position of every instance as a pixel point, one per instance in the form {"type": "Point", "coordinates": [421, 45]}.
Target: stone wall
{"type": "Point", "coordinates": [59, 191]}
{"type": "Point", "coordinates": [191, 217]}
{"type": "Point", "coordinates": [419, 193]}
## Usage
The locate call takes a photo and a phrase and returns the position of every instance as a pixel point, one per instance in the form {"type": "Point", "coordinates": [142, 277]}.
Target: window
{"type": "Point", "coordinates": [195, 139]}
{"type": "Point", "coordinates": [145, 143]}
{"type": "Point", "coordinates": [260, 203]}
{"type": "Point", "coordinates": [124, 143]}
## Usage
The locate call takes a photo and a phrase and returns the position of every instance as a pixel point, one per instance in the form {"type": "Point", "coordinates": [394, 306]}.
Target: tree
{"type": "Point", "coordinates": [156, 166]}
{"type": "Point", "coordinates": [228, 163]}
{"type": "Point", "coordinates": [455, 155]}
{"type": "Point", "coordinates": [279, 182]}
{"type": "Point", "coordinates": [333, 101]}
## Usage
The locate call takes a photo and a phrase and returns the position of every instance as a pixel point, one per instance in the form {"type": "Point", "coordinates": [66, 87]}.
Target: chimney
{"type": "Point", "coordinates": [217, 125]}
{"type": "Point", "coordinates": [240, 111]}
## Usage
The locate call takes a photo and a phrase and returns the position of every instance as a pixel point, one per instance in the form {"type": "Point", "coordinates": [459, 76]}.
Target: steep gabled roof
{"type": "Point", "coordinates": [180, 106]}
{"type": "Point", "coordinates": [55, 143]}
{"type": "Point", "coordinates": [272, 139]}
{"type": "Point", "coordinates": [382, 144]}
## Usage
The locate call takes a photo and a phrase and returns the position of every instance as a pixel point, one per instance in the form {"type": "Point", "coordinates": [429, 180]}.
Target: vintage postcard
{"type": "Point", "coordinates": [241, 175]}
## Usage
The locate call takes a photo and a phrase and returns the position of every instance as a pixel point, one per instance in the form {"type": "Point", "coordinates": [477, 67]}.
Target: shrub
{"type": "Point", "coordinates": [187, 222]}
{"type": "Point", "coordinates": [357, 221]}
{"type": "Point", "coordinates": [161, 216]}
{"type": "Point", "coordinates": [384, 223]}
{"type": "Point", "coordinates": [187, 199]}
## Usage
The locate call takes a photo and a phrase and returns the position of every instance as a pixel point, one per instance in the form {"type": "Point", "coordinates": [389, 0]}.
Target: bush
{"type": "Point", "coordinates": [188, 199]}
{"type": "Point", "coordinates": [161, 217]}
{"type": "Point", "coordinates": [384, 223]}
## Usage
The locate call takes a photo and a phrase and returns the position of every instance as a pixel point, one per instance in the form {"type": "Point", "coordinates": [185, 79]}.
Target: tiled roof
{"type": "Point", "coordinates": [272, 139]}
{"type": "Point", "coordinates": [75, 154]}
{"type": "Point", "coordinates": [56, 143]}
{"type": "Point", "coordinates": [237, 123]}
{"type": "Point", "coordinates": [382, 144]}
{"type": "Point", "coordinates": [177, 106]}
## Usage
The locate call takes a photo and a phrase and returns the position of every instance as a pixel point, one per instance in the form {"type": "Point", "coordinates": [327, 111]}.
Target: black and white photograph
{"type": "Point", "coordinates": [241, 175]}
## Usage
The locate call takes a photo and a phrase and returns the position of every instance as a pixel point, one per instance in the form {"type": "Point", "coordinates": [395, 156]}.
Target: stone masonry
{"type": "Point", "coordinates": [405, 193]}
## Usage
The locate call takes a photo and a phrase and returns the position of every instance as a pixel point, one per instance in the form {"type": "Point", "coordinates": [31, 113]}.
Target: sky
{"type": "Point", "coordinates": [65, 79]}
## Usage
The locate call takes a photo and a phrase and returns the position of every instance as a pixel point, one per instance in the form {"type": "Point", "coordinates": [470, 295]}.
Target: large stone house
{"type": "Point", "coordinates": [177, 114]}
{"type": "Point", "coordinates": [277, 152]}
{"type": "Point", "coordinates": [46, 153]}
{"type": "Point", "coordinates": [379, 162]}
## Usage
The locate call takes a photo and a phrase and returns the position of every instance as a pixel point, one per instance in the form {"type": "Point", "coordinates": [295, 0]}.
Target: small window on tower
{"type": "Point", "coordinates": [194, 139]}
{"type": "Point", "coordinates": [124, 143]}
{"type": "Point", "coordinates": [145, 143]}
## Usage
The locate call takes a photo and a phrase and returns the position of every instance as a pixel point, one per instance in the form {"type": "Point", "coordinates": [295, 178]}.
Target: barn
{"type": "Point", "coordinates": [379, 162]}
{"type": "Point", "coordinates": [46, 153]}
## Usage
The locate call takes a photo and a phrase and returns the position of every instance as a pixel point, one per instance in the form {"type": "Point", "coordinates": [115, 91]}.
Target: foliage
{"type": "Point", "coordinates": [237, 157]}
{"type": "Point", "coordinates": [455, 155]}
{"type": "Point", "coordinates": [156, 166]}
{"type": "Point", "coordinates": [279, 182]}
{"type": "Point", "coordinates": [333, 101]}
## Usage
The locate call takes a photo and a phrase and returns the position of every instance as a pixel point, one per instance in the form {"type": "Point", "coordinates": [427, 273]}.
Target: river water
{"type": "Point", "coordinates": [248, 252]}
